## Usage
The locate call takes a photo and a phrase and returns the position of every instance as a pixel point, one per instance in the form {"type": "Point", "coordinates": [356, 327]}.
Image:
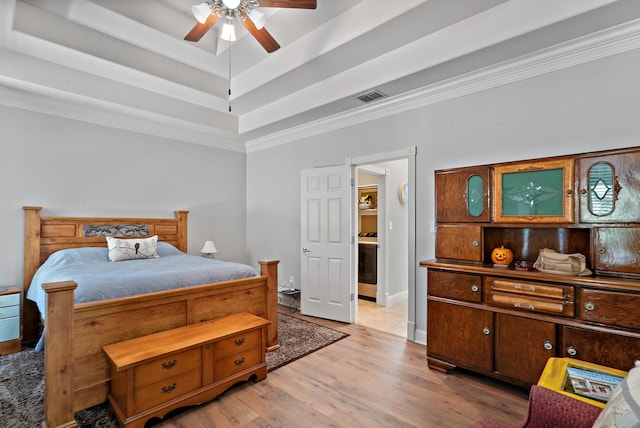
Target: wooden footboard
{"type": "Point", "coordinates": [76, 369]}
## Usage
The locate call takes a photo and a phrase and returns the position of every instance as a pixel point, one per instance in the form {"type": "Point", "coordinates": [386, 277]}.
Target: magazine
{"type": "Point", "coordinates": [593, 384]}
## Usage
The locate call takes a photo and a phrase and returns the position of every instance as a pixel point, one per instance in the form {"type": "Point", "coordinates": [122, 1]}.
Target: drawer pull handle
{"type": "Point", "coordinates": [526, 287]}
{"type": "Point", "coordinates": [486, 331]}
{"type": "Point", "coordinates": [524, 305]}
{"type": "Point", "coordinates": [169, 388]}
{"type": "Point", "coordinates": [475, 243]}
{"type": "Point", "coordinates": [239, 342]}
{"type": "Point", "coordinates": [589, 306]}
{"type": "Point", "coordinates": [239, 362]}
{"type": "Point", "coordinates": [474, 288]}
{"type": "Point", "coordinates": [572, 351]}
{"type": "Point", "coordinates": [547, 345]}
{"type": "Point", "coordinates": [168, 365]}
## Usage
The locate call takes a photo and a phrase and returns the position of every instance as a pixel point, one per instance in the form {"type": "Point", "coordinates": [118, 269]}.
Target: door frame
{"type": "Point", "coordinates": [409, 154]}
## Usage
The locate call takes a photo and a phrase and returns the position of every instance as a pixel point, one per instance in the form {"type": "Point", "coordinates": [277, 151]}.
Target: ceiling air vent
{"type": "Point", "coordinates": [371, 96]}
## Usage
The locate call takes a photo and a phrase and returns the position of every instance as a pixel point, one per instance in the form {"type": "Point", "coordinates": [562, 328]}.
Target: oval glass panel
{"type": "Point", "coordinates": [601, 191]}
{"type": "Point", "coordinates": [475, 190]}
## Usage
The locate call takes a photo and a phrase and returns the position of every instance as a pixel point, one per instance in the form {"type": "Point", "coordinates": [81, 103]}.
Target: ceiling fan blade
{"type": "Point", "coordinates": [200, 30]}
{"type": "Point", "coordinates": [291, 4]}
{"type": "Point", "coordinates": [262, 36]}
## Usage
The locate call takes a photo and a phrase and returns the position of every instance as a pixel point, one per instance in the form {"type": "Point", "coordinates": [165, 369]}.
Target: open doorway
{"type": "Point", "coordinates": [383, 246]}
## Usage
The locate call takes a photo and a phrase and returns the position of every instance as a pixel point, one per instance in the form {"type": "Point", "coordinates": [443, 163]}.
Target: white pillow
{"type": "Point", "coordinates": [129, 249]}
{"type": "Point", "coordinates": [623, 408]}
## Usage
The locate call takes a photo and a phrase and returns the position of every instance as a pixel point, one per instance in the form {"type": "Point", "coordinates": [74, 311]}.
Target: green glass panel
{"type": "Point", "coordinates": [601, 195]}
{"type": "Point", "coordinates": [533, 193]}
{"type": "Point", "coordinates": [474, 196]}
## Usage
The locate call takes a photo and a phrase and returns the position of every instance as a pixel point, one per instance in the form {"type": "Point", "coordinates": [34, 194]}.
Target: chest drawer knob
{"type": "Point", "coordinates": [475, 288]}
{"type": "Point", "coordinates": [475, 243]}
{"type": "Point", "coordinates": [572, 351]}
{"type": "Point", "coordinates": [486, 330]}
{"type": "Point", "coordinates": [589, 306]}
{"type": "Point", "coordinates": [168, 365]}
{"type": "Point", "coordinates": [239, 361]}
{"type": "Point", "coordinates": [239, 342]}
{"type": "Point", "coordinates": [547, 345]}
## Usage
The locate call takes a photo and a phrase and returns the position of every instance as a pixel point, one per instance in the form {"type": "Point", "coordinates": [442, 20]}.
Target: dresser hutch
{"type": "Point", "coordinates": [505, 322]}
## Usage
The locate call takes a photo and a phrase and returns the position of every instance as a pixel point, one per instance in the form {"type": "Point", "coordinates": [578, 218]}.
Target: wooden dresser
{"type": "Point", "coordinates": [154, 374]}
{"type": "Point", "coordinates": [507, 323]}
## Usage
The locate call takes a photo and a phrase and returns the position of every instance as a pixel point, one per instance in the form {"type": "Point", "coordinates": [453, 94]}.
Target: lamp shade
{"type": "Point", "coordinates": [201, 12]}
{"type": "Point", "coordinates": [258, 18]}
{"type": "Point", "coordinates": [228, 32]}
{"type": "Point", "coordinates": [209, 248]}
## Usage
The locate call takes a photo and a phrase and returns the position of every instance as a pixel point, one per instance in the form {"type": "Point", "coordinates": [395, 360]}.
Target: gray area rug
{"type": "Point", "coordinates": [22, 380]}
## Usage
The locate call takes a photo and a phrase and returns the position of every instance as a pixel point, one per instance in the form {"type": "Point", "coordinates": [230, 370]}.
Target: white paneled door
{"type": "Point", "coordinates": [328, 255]}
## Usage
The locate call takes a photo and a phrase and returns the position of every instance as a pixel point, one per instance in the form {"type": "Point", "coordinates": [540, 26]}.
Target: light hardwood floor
{"type": "Point", "coordinates": [369, 379]}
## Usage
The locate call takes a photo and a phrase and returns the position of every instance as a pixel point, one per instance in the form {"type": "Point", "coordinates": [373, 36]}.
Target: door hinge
{"type": "Point", "coordinates": [353, 297]}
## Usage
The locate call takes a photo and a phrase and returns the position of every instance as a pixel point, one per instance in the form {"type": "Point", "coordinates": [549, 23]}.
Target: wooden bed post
{"type": "Point", "coordinates": [181, 216]}
{"type": "Point", "coordinates": [269, 268]}
{"type": "Point", "coordinates": [58, 358]}
{"type": "Point", "coordinates": [31, 258]}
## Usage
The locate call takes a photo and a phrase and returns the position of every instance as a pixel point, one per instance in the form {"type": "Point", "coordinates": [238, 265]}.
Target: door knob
{"type": "Point", "coordinates": [305, 251]}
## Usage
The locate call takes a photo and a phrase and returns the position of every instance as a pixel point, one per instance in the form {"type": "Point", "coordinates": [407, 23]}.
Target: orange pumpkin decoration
{"type": "Point", "coordinates": [501, 256]}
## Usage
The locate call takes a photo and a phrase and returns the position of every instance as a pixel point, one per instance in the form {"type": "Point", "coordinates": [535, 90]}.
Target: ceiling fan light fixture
{"type": "Point", "coordinates": [228, 31]}
{"type": "Point", "coordinates": [231, 4]}
{"type": "Point", "coordinates": [201, 12]}
{"type": "Point", "coordinates": [258, 18]}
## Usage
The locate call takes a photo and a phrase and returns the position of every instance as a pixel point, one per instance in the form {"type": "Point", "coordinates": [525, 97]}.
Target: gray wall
{"type": "Point", "coordinates": [73, 168]}
{"type": "Point", "coordinates": [588, 107]}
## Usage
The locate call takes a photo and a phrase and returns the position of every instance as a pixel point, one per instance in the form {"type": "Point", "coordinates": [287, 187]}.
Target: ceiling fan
{"type": "Point", "coordinates": [244, 11]}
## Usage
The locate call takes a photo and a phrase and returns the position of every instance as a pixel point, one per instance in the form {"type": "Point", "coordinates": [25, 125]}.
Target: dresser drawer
{"type": "Point", "coordinates": [237, 344]}
{"type": "Point", "coordinates": [10, 300]}
{"type": "Point", "coordinates": [169, 365]}
{"type": "Point", "coordinates": [530, 296]}
{"type": "Point", "coordinates": [236, 363]}
{"type": "Point", "coordinates": [9, 329]}
{"type": "Point", "coordinates": [610, 307]}
{"type": "Point", "coordinates": [9, 311]}
{"type": "Point", "coordinates": [165, 389]}
{"type": "Point", "coordinates": [535, 289]}
{"type": "Point", "coordinates": [454, 286]}
{"type": "Point", "coordinates": [533, 304]}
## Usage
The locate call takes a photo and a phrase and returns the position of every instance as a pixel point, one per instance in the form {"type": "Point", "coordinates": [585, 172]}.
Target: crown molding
{"type": "Point", "coordinates": [612, 41]}
{"type": "Point", "coordinates": [37, 98]}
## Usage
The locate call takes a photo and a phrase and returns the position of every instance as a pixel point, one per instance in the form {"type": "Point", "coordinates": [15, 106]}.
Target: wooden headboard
{"type": "Point", "coordinates": [46, 235]}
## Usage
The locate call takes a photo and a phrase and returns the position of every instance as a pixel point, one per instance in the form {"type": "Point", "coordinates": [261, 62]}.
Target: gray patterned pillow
{"type": "Point", "coordinates": [129, 249]}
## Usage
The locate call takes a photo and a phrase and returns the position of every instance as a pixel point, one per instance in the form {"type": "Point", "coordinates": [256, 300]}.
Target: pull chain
{"type": "Point", "coordinates": [230, 76]}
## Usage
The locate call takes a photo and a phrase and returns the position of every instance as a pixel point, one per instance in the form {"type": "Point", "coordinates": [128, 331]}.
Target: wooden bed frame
{"type": "Point", "coordinates": [76, 369]}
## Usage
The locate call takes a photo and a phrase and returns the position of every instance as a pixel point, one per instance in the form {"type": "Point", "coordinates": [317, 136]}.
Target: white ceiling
{"type": "Point", "coordinates": [125, 63]}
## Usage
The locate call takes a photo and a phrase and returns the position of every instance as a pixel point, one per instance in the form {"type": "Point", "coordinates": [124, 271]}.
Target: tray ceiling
{"type": "Point", "coordinates": [125, 63]}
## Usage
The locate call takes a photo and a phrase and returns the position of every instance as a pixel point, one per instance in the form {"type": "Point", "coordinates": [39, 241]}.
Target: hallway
{"type": "Point", "coordinates": [391, 319]}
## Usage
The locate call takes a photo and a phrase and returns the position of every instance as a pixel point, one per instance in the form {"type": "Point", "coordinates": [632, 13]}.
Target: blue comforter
{"type": "Point", "coordinates": [100, 279]}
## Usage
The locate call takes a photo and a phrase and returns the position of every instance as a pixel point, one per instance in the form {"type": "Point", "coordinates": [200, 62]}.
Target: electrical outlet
{"type": "Point", "coordinates": [291, 282]}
